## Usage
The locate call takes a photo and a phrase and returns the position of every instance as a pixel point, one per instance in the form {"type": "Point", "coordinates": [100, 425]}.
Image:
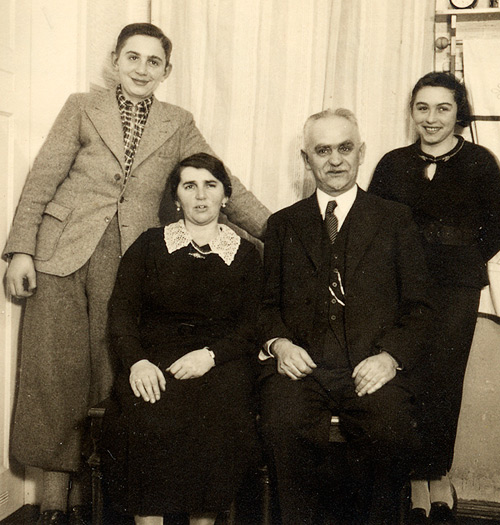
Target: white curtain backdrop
{"type": "Point", "coordinates": [482, 79]}
{"type": "Point", "coordinates": [252, 72]}
{"type": "Point", "coordinates": [378, 50]}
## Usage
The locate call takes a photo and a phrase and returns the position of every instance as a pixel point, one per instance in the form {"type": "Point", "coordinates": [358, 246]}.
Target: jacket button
{"type": "Point", "coordinates": [333, 301]}
{"type": "Point", "coordinates": [122, 198]}
{"type": "Point", "coordinates": [117, 176]}
{"type": "Point", "coordinates": [107, 219]}
{"type": "Point", "coordinates": [333, 317]}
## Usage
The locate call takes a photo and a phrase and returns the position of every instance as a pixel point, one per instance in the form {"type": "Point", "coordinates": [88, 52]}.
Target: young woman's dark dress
{"type": "Point", "coordinates": [188, 451]}
{"type": "Point", "coordinates": [458, 214]}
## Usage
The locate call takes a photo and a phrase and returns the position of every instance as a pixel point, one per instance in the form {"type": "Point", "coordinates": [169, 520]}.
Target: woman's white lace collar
{"type": "Point", "coordinates": [225, 245]}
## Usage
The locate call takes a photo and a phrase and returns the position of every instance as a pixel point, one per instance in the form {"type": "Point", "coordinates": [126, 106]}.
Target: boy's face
{"type": "Point", "coordinates": [141, 67]}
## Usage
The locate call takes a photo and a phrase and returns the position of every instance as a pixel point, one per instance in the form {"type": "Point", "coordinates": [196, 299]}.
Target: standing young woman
{"type": "Point", "coordinates": [453, 188]}
{"type": "Point", "coordinates": [94, 188]}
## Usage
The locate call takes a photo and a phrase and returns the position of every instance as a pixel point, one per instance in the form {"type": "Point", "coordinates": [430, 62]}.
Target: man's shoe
{"type": "Point", "coordinates": [52, 517]}
{"type": "Point", "coordinates": [80, 515]}
{"type": "Point", "coordinates": [441, 514]}
{"type": "Point", "coordinates": [417, 516]}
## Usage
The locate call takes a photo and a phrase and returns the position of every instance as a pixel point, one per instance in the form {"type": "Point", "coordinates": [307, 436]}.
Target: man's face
{"type": "Point", "coordinates": [141, 66]}
{"type": "Point", "coordinates": [333, 152]}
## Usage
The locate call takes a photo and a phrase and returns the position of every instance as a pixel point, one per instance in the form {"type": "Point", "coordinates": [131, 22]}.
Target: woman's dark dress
{"type": "Point", "coordinates": [458, 214]}
{"type": "Point", "coordinates": [188, 451]}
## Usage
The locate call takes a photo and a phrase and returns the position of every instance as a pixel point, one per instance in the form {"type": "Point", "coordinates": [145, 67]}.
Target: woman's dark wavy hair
{"type": "Point", "coordinates": [199, 161]}
{"type": "Point", "coordinates": [146, 30]}
{"type": "Point", "coordinates": [448, 81]}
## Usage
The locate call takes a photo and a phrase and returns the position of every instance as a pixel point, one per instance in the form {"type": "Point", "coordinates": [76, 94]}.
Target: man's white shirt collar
{"type": "Point", "coordinates": [344, 203]}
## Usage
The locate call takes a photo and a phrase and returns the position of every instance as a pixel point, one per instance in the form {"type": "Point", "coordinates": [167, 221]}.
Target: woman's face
{"type": "Point", "coordinates": [141, 67]}
{"type": "Point", "coordinates": [200, 195]}
{"type": "Point", "coordinates": [434, 112]}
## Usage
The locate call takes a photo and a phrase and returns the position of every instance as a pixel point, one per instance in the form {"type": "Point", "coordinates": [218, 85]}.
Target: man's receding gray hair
{"type": "Point", "coordinates": [329, 113]}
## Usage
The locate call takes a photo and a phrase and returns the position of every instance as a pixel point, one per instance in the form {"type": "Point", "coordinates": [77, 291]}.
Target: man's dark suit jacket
{"type": "Point", "coordinates": [385, 280]}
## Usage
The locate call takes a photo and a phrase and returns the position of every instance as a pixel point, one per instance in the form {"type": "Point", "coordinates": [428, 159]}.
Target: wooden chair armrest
{"type": "Point", "coordinates": [96, 415]}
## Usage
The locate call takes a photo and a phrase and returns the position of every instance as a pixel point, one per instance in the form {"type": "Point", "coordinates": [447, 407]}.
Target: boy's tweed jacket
{"type": "Point", "coordinates": [77, 182]}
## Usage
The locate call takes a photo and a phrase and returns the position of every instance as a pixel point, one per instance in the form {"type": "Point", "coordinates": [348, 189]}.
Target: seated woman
{"type": "Point", "coordinates": [182, 314]}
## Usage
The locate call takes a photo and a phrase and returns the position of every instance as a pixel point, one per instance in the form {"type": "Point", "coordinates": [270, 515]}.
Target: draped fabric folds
{"type": "Point", "coordinates": [252, 72]}
{"type": "Point", "coordinates": [377, 51]}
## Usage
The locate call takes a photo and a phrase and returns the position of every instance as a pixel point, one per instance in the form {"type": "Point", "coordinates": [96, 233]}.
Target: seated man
{"type": "Point", "coordinates": [344, 317]}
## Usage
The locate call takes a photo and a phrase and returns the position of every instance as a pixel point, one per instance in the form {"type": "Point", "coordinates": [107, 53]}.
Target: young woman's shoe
{"type": "Point", "coordinates": [417, 517]}
{"type": "Point", "coordinates": [52, 517]}
{"type": "Point", "coordinates": [441, 514]}
{"type": "Point", "coordinates": [80, 515]}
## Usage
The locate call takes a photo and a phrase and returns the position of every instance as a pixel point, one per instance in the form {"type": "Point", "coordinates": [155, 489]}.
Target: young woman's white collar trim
{"type": "Point", "coordinates": [225, 245]}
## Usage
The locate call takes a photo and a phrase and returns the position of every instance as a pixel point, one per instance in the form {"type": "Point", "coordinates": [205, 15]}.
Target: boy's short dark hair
{"type": "Point", "coordinates": [147, 30]}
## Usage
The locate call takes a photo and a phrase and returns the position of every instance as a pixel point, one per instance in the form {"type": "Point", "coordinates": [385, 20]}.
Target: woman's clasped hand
{"type": "Point", "coordinates": [147, 380]}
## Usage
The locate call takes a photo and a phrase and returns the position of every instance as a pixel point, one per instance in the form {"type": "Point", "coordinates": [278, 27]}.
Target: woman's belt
{"type": "Point", "coordinates": [438, 233]}
{"type": "Point", "coordinates": [158, 328]}
{"type": "Point", "coordinates": [204, 328]}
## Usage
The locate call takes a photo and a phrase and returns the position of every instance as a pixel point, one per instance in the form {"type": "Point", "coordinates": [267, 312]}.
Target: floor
{"type": "Point", "coordinates": [29, 514]}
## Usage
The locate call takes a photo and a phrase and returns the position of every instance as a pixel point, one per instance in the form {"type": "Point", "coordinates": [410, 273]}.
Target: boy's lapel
{"type": "Point", "coordinates": [105, 116]}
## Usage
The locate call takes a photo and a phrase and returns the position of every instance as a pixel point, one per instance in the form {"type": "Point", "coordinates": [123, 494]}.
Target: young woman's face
{"type": "Point", "coordinates": [200, 195]}
{"type": "Point", "coordinates": [434, 112]}
{"type": "Point", "coordinates": [141, 67]}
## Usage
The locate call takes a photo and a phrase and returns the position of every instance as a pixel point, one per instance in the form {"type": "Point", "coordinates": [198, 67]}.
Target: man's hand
{"type": "Point", "coordinates": [21, 277]}
{"type": "Point", "coordinates": [146, 380]}
{"type": "Point", "coordinates": [192, 365]}
{"type": "Point", "coordinates": [373, 373]}
{"type": "Point", "coordinates": [292, 360]}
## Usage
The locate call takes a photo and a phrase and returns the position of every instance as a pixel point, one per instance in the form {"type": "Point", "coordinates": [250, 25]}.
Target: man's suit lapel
{"type": "Point", "coordinates": [308, 224]}
{"type": "Point", "coordinates": [364, 221]}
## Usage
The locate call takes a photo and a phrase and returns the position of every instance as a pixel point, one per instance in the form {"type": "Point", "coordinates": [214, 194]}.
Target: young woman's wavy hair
{"type": "Point", "coordinates": [448, 81]}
